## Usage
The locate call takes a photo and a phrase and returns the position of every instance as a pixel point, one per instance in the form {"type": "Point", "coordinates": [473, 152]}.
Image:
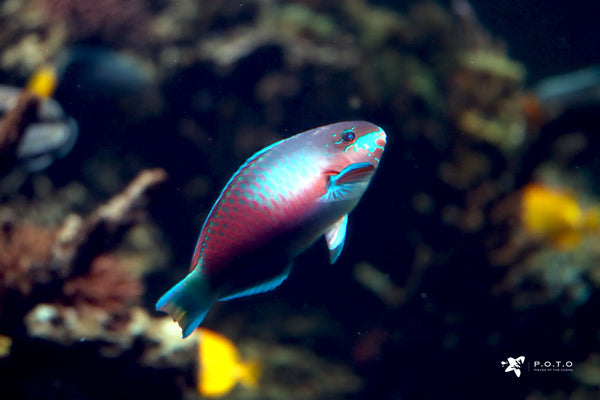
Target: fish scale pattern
{"type": "Point", "coordinates": [269, 194]}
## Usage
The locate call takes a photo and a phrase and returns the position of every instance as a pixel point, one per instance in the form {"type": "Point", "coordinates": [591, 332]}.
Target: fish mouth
{"type": "Point", "coordinates": [380, 138]}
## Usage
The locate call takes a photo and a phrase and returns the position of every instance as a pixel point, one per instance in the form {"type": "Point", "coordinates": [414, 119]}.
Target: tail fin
{"type": "Point", "coordinates": [188, 301]}
{"type": "Point", "coordinates": [250, 373]}
{"type": "Point", "coordinates": [591, 219]}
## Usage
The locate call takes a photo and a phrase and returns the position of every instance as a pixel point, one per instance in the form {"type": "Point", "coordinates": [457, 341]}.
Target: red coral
{"type": "Point", "coordinates": [24, 249]}
{"type": "Point", "coordinates": [110, 284]}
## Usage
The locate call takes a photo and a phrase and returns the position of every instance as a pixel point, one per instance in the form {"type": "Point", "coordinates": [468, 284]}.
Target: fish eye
{"type": "Point", "coordinates": [348, 135]}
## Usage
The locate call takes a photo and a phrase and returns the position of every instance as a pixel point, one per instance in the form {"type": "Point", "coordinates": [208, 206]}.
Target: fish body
{"type": "Point", "coordinates": [43, 82]}
{"type": "Point", "coordinates": [564, 101]}
{"type": "Point", "coordinates": [220, 366]}
{"type": "Point", "coordinates": [280, 201]}
{"type": "Point", "coordinates": [571, 89]}
{"type": "Point", "coordinates": [53, 134]}
{"type": "Point", "coordinates": [5, 345]}
{"type": "Point", "coordinates": [555, 215]}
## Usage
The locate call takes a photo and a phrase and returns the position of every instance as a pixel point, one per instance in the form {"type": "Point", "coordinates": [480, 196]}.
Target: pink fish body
{"type": "Point", "coordinates": [280, 201]}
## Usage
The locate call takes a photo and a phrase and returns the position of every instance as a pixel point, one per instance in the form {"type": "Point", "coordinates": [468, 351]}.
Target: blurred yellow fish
{"type": "Point", "coordinates": [43, 82]}
{"type": "Point", "coordinates": [220, 366]}
{"type": "Point", "coordinates": [555, 215]}
{"type": "Point", "coordinates": [5, 345]}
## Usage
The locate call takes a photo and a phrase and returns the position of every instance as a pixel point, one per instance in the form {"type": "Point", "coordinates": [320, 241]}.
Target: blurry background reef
{"type": "Point", "coordinates": [439, 281]}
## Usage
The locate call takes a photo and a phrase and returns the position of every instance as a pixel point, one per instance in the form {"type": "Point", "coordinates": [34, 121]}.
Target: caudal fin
{"type": "Point", "coordinates": [591, 219]}
{"type": "Point", "coordinates": [250, 373]}
{"type": "Point", "coordinates": [188, 301]}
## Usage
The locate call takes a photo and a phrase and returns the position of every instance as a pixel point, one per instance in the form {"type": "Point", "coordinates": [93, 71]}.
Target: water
{"type": "Point", "coordinates": [441, 287]}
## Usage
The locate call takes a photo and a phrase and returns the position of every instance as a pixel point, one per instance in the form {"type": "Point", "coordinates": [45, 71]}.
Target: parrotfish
{"type": "Point", "coordinates": [277, 204]}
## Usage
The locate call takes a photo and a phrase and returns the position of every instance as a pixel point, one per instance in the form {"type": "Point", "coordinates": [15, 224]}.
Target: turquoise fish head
{"type": "Point", "coordinates": [351, 142]}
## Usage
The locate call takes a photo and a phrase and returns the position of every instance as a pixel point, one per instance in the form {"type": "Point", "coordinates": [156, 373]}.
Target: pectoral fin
{"type": "Point", "coordinates": [335, 238]}
{"type": "Point", "coordinates": [350, 183]}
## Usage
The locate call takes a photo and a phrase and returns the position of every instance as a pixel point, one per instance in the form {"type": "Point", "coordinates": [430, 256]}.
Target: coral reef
{"type": "Point", "coordinates": [296, 373]}
{"type": "Point", "coordinates": [445, 276]}
{"type": "Point", "coordinates": [83, 20]}
{"type": "Point", "coordinates": [74, 265]}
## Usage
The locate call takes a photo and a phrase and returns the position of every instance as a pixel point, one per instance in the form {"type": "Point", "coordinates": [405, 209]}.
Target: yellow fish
{"type": "Point", "coordinates": [5, 345]}
{"type": "Point", "coordinates": [220, 366]}
{"type": "Point", "coordinates": [43, 82]}
{"type": "Point", "coordinates": [555, 215]}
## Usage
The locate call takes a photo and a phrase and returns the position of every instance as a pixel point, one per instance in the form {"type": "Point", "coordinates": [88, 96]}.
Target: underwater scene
{"type": "Point", "coordinates": [299, 200]}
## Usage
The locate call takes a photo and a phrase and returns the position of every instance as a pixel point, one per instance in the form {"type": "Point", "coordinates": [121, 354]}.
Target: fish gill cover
{"type": "Point", "coordinates": [443, 277]}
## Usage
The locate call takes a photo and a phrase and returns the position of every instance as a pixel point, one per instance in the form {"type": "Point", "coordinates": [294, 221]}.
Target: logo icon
{"type": "Point", "coordinates": [513, 364]}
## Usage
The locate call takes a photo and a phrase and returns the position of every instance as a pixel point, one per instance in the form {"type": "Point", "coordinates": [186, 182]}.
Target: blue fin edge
{"type": "Point", "coordinates": [260, 288]}
{"type": "Point", "coordinates": [188, 301]}
{"type": "Point", "coordinates": [350, 183]}
{"type": "Point", "coordinates": [335, 237]}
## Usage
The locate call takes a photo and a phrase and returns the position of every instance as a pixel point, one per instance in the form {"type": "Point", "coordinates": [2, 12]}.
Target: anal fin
{"type": "Point", "coordinates": [260, 288]}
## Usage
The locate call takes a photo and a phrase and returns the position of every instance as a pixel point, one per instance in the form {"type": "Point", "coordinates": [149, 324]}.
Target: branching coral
{"type": "Point", "coordinates": [109, 284]}
{"type": "Point", "coordinates": [81, 241]}
{"type": "Point", "coordinates": [486, 89]}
